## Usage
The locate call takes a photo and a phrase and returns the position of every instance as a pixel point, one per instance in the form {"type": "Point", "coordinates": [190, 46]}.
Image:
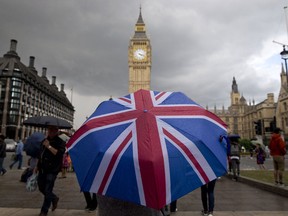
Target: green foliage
{"type": "Point", "coordinates": [246, 143]}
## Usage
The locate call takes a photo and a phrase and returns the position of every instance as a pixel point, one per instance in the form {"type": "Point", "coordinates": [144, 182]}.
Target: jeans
{"type": "Point", "coordinates": [46, 183]}
{"type": "Point", "coordinates": [208, 190]}
{"type": "Point", "coordinates": [19, 158]}
{"type": "Point", "coordinates": [2, 169]}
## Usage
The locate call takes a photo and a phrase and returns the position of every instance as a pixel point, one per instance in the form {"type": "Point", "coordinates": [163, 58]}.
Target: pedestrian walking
{"type": "Point", "coordinates": [48, 167]}
{"type": "Point", "coordinates": [18, 155]}
{"type": "Point", "coordinates": [234, 156]}
{"type": "Point", "coordinates": [277, 151]}
{"type": "Point", "coordinates": [2, 154]}
{"type": "Point", "coordinates": [207, 197]}
{"type": "Point", "coordinates": [260, 156]}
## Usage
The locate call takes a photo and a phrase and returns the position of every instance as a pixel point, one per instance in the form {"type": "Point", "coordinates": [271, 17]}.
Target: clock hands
{"type": "Point", "coordinates": [139, 54]}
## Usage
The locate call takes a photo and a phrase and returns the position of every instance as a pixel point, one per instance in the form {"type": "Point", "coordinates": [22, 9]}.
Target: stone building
{"type": "Point", "coordinates": [249, 119]}
{"type": "Point", "coordinates": [24, 93]}
{"type": "Point", "coordinates": [139, 58]}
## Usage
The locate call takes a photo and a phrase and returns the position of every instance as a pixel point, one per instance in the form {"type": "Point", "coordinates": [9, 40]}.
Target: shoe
{"type": "Point", "coordinates": [55, 203]}
{"type": "Point", "coordinates": [210, 214]}
{"type": "Point", "coordinates": [43, 214]}
{"type": "Point", "coordinates": [3, 172]}
{"type": "Point", "coordinates": [204, 213]}
{"type": "Point", "coordinates": [276, 183]}
{"type": "Point", "coordinates": [10, 166]}
{"type": "Point", "coordinates": [87, 208]}
{"type": "Point", "coordinates": [92, 209]}
{"type": "Point", "coordinates": [174, 210]}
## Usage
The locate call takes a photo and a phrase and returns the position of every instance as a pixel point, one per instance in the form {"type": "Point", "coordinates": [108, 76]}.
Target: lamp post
{"type": "Point", "coordinates": [284, 56]}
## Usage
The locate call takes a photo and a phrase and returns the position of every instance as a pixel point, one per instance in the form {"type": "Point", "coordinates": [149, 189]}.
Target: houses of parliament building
{"type": "Point", "coordinates": [246, 119]}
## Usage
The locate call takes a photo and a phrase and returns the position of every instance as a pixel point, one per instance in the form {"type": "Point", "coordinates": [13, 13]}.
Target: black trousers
{"type": "Point", "coordinates": [173, 206]}
{"type": "Point", "coordinates": [91, 200]}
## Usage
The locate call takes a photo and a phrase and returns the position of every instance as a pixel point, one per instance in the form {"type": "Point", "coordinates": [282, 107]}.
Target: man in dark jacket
{"type": "Point", "coordinates": [49, 165]}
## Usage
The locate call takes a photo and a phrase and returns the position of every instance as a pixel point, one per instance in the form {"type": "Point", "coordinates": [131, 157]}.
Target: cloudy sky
{"type": "Point", "coordinates": [198, 46]}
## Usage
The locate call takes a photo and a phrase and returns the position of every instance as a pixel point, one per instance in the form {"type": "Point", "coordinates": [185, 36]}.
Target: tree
{"type": "Point", "coordinates": [246, 143]}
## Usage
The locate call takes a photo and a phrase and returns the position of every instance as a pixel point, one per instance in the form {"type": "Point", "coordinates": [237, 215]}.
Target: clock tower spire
{"type": "Point", "coordinates": [139, 58]}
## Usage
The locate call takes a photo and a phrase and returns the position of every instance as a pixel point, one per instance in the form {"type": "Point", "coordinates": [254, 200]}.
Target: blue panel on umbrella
{"type": "Point", "coordinates": [178, 98]}
{"type": "Point", "coordinates": [89, 148]}
{"type": "Point", "coordinates": [124, 186]}
{"type": "Point", "coordinates": [182, 174]}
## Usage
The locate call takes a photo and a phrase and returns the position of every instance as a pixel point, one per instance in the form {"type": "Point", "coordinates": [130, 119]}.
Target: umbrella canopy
{"type": "Point", "coordinates": [149, 148]}
{"type": "Point", "coordinates": [45, 121]}
{"type": "Point", "coordinates": [33, 144]}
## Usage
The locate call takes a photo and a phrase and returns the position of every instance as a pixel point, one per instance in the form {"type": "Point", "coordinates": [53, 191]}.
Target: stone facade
{"type": "Point", "coordinates": [241, 117]}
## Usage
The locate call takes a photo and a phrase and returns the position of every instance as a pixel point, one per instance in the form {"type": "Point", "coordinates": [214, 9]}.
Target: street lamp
{"type": "Point", "coordinates": [284, 56]}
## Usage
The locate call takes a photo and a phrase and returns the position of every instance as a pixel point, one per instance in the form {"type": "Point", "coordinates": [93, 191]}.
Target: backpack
{"type": "Point", "coordinates": [234, 150]}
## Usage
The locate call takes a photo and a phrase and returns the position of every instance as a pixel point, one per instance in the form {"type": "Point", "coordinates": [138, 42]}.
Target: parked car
{"type": "Point", "coordinates": [10, 145]}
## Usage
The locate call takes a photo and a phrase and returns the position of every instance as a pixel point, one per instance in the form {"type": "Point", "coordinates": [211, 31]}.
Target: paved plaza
{"type": "Point", "coordinates": [232, 198]}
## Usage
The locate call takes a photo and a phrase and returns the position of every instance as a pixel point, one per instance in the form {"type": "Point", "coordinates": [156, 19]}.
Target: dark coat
{"type": "Point", "coordinates": [48, 162]}
{"type": "Point", "coordinates": [2, 149]}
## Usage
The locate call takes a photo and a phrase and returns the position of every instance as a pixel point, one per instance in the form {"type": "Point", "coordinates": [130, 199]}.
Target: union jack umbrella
{"type": "Point", "coordinates": [149, 148]}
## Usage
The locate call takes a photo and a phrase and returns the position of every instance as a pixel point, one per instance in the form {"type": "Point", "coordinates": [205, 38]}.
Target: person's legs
{"type": "Point", "coordinates": [281, 168]}
{"type": "Point", "coordinates": [2, 169]}
{"type": "Point", "coordinates": [275, 165]}
{"type": "Point", "coordinates": [233, 163]}
{"type": "Point", "coordinates": [14, 162]}
{"type": "Point", "coordinates": [20, 159]}
{"type": "Point", "coordinates": [88, 200]}
{"type": "Point", "coordinates": [211, 186]}
{"type": "Point", "coordinates": [93, 202]}
{"type": "Point", "coordinates": [173, 206]}
{"type": "Point", "coordinates": [204, 190]}
{"type": "Point", "coordinates": [230, 165]}
{"type": "Point", "coordinates": [47, 190]}
{"type": "Point", "coordinates": [238, 167]}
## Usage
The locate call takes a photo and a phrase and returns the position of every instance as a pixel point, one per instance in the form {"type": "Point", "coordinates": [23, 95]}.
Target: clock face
{"type": "Point", "coordinates": [139, 54]}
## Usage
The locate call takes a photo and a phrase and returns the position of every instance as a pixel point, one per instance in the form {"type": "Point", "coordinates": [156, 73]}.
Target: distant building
{"type": "Point", "coordinates": [24, 94]}
{"type": "Point", "coordinates": [139, 58]}
{"type": "Point", "coordinates": [255, 120]}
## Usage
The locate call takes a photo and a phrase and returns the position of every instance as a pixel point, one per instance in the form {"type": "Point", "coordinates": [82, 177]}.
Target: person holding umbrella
{"type": "Point", "coordinates": [49, 165]}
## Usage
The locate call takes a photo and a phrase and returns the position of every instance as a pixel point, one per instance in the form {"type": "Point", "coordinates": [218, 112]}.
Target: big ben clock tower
{"type": "Point", "coordinates": [139, 58]}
